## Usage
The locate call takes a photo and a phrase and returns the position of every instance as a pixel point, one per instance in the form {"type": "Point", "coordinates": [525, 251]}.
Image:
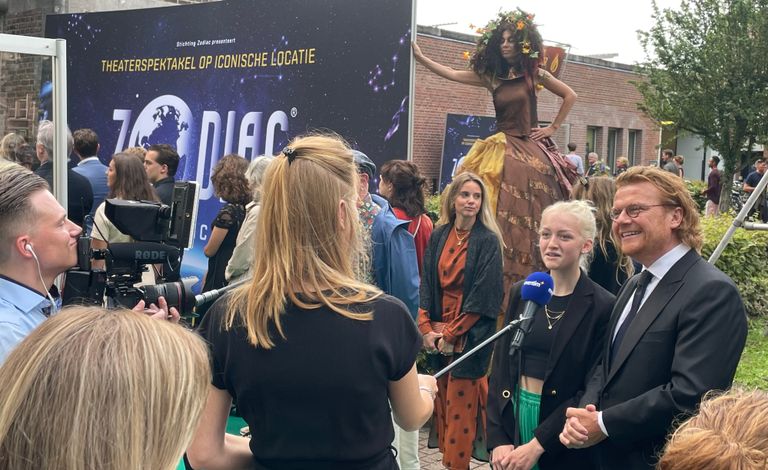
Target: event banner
{"type": "Point", "coordinates": [239, 77]}
{"type": "Point", "coordinates": [461, 131]}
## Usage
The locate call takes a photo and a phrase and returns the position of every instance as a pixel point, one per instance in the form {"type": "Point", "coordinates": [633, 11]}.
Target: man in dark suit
{"type": "Point", "coordinates": [677, 330]}
{"type": "Point", "coordinates": [87, 148]}
{"type": "Point", "coordinates": [79, 192]}
{"type": "Point", "coordinates": [161, 163]}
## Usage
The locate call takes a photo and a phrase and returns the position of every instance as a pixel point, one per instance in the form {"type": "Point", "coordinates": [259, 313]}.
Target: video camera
{"type": "Point", "coordinates": [162, 232]}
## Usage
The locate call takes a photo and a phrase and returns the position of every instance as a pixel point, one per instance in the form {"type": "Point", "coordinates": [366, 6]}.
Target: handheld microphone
{"type": "Point", "coordinates": [536, 291]}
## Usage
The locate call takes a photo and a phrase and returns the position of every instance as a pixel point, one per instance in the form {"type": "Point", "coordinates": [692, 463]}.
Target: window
{"type": "Point", "coordinates": [614, 143]}
{"type": "Point", "coordinates": [634, 137]}
{"type": "Point", "coordinates": [593, 137]}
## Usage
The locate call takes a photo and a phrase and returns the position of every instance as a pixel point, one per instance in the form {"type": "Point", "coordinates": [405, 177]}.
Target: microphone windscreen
{"type": "Point", "coordinates": [147, 252]}
{"type": "Point", "coordinates": [538, 288]}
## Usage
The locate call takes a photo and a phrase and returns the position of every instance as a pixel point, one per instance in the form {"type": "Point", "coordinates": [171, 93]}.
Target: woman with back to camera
{"type": "Point", "coordinates": [239, 264]}
{"type": "Point", "coordinates": [312, 356]}
{"type": "Point", "coordinates": [229, 183]}
{"type": "Point", "coordinates": [608, 266]}
{"type": "Point", "coordinates": [403, 186]}
{"type": "Point", "coordinates": [459, 302]}
{"type": "Point", "coordinates": [530, 391]}
{"type": "Point", "coordinates": [521, 170]}
{"type": "Point", "coordinates": [126, 179]}
{"type": "Point", "coordinates": [101, 389]}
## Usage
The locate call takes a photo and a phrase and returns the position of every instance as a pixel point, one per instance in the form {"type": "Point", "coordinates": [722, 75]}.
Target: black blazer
{"type": "Point", "coordinates": [576, 349]}
{"type": "Point", "coordinates": [79, 192]}
{"type": "Point", "coordinates": [482, 294]}
{"type": "Point", "coordinates": [686, 340]}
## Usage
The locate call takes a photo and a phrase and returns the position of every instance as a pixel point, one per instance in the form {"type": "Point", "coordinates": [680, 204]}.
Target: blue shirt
{"type": "Point", "coordinates": [395, 269]}
{"type": "Point", "coordinates": [21, 311]}
{"type": "Point", "coordinates": [576, 160]}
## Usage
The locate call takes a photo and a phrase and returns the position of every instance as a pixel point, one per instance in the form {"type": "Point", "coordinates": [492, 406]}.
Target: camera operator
{"type": "Point", "coordinates": [37, 243]}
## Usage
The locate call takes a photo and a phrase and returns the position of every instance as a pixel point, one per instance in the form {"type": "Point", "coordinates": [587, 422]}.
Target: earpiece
{"type": "Point", "coordinates": [28, 247]}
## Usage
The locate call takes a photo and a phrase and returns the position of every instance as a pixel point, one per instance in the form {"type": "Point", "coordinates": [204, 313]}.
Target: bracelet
{"type": "Point", "coordinates": [428, 390]}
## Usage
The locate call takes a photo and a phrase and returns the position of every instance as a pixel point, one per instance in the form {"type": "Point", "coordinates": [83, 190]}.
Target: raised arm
{"type": "Point", "coordinates": [467, 77]}
{"type": "Point", "coordinates": [563, 91]}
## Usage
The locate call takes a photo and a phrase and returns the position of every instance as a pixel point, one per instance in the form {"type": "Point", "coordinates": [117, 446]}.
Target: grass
{"type": "Point", "coordinates": [753, 367]}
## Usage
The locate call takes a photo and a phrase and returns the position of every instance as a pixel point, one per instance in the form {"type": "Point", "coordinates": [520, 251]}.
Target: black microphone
{"type": "Point", "coordinates": [143, 252]}
{"type": "Point", "coordinates": [537, 291]}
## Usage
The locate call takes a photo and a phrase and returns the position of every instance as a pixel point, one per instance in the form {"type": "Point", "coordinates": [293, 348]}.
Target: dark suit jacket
{"type": "Point", "coordinates": [575, 351]}
{"type": "Point", "coordinates": [79, 192]}
{"type": "Point", "coordinates": [686, 340]}
{"type": "Point", "coordinates": [164, 190]}
{"type": "Point", "coordinates": [482, 294]}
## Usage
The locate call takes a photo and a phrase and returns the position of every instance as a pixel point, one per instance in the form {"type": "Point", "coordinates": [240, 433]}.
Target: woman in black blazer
{"type": "Point", "coordinates": [530, 390]}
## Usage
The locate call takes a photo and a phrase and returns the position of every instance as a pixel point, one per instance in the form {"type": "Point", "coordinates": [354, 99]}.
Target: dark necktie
{"type": "Point", "coordinates": [642, 283]}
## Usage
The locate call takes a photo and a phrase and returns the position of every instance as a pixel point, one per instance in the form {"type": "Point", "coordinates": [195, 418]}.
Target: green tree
{"type": "Point", "coordinates": [706, 71]}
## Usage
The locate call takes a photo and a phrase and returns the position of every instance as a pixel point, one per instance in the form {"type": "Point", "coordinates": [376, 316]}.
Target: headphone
{"type": "Point", "coordinates": [28, 247]}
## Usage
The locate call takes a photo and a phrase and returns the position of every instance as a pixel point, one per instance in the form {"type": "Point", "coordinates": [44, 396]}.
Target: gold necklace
{"type": "Point", "coordinates": [552, 316]}
{"type": "Point", "coordinates": [461, 239]}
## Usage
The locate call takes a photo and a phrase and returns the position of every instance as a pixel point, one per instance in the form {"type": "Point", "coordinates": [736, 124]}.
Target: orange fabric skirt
{"type": "Point", "coordinates": [458, 428]}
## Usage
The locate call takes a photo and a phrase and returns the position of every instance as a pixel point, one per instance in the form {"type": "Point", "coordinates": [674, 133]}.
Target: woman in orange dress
{"type": "Point", "coordinates": [459, 301]}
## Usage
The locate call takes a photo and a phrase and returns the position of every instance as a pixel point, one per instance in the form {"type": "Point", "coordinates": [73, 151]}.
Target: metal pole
{"type": "Point", "coordinates": [411, 83]}
{"type": "Point", "coordinates": [60, 155]}
{"type": "Point", "coordinates": [480, 346]}
{"type": "Point", "coordinates": [739, 220]}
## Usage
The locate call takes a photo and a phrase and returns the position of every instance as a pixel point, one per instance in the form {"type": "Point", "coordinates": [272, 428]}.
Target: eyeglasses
{"type": "Point", "coordinates": [633, 210]}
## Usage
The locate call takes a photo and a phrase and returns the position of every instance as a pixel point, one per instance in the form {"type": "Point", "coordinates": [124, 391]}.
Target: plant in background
{"type": "Point", "coordinates": [705, 73]}
{"type": "Point", "coordinates": [433, 207]}
{"type": "Point", "coordinates": [742, 260]}
{"type": "Point", "coordinates": [695, 187]}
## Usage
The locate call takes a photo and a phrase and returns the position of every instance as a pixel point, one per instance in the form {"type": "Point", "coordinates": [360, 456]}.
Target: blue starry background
{"type": "Point", "coordinates": [357, 87]}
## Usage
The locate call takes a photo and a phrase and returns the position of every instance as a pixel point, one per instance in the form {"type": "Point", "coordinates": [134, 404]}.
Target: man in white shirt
{"type": "Point", "coordinates": [577, 161]}
{"type": "Point", "coordinates": [677, 330]}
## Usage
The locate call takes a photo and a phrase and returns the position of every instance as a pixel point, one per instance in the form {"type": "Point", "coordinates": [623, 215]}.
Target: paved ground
{"type": "Point", "coordinates": [431, 458]}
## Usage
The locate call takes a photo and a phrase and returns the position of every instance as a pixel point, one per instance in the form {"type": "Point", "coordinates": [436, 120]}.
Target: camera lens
{"type": "Point", "coordinates": [178, 294]}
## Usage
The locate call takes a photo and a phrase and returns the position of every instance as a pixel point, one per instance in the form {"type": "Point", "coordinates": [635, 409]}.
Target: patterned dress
{"type": "Point", "coordinates": [522, 175]}
{"type": "Point", "coordinates": [459, 418]}
{"type": "Point", "coordinates": [230, 217]}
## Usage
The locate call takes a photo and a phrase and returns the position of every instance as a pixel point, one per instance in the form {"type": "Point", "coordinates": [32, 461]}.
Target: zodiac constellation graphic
{"type": "Point", "coordinates": [377, 79]}
{"type": "Point", "coordinates": [278, 76]}
{"type": "Point", "coordinates": [396, 119]}
{"type": "Point", "coordinates": [82, 29]}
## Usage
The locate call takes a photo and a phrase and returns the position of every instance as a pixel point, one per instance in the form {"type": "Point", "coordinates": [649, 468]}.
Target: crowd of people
{"type": "Point", "coordinates": [345, 285]}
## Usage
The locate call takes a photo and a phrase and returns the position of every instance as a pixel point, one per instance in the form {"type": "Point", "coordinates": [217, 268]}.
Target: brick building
{"type": "Point", "coordinates": [605, 115]}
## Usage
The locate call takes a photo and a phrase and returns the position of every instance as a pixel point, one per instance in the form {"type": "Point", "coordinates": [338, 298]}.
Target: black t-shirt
{"type": "Point", "coordinates": [319, 398]}
{"type": "Point", "coordinates": [538, 342]}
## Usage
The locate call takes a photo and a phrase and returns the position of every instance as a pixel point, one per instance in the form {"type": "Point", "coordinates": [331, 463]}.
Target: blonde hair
{"type": "Point", "coordinates": [448, 208]}
{"type": "Point", "coordinates": [600, 190]}
{"type": "Point", "coordinates": [101, 389]}
{"type": "Point", "coordinates": [9, 144]}
{"type": "Point", "coordinates": [140, 152]}
{"type": "Point", "coordinates": [728, 433]}
{"type": "Point", "coordinates": [673, 191]}
{"type": "Point", "coordinates": [313, 255]}
{"type": "Point", "coordinates": [585, 217]}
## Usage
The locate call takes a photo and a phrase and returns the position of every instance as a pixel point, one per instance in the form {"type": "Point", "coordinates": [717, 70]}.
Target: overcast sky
{"type": "Point", "coordinates": [589, 26]}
